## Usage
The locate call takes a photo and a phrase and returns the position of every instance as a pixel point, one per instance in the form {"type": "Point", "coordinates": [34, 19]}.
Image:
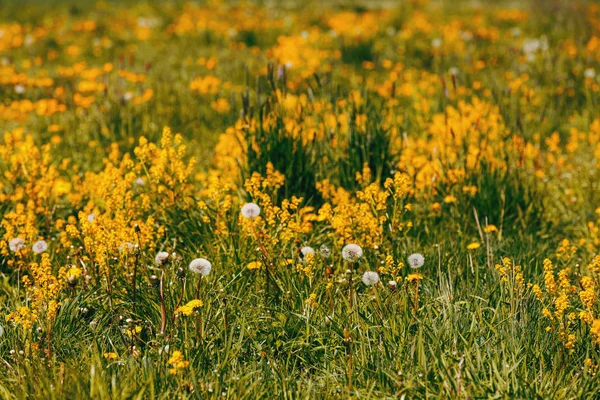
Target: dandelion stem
{"type": "Point", "coordinates": [350, 288]}
{"type": "Point", "coordinates": [329, 294]}
{"type": "Point", "coordinates": [180, 297]}
{"type": "Point", "coordinates": [416, 305]}
{"type": "Point", "coordinates": [226, 325]}
{"type": "Point", "coordinates": [163, 308]}
{"type": "Point", "coordinates": [267, 279]}
{"type": "Point", "coordinates": [349, 366]}
{"type": "Point", "coordinates": [267, 263]}
{"type": "Point", "coordinates": [199, 327]}
{"type": "Point", "coordinates": [198, 287]}
{"type": "Point", "coordinates": [134, 282]}
{"type": "Point", "coordinates": [137, 259]}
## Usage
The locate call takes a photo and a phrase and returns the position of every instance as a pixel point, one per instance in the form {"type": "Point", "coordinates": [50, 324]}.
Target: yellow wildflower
{"type": "Point", "coordinates": [254, 265]}
{"type": "Point", "coordinates": [189, 308]}
{"type": "Point", "coordinates": [415, 277]}
{"type": "Point", "coordinates": [177, 361]}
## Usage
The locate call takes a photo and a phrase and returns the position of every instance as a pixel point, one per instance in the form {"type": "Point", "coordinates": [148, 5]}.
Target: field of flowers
{"type": "Point", "coordinates": [346, 199]}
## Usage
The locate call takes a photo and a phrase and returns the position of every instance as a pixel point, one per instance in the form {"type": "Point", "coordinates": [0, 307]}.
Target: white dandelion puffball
{"type": "Point", "coordinates": [40, 246]}
{"type": "Point", "coordinates": [305, 251]}
{"type": "Point", "coordinates": [352, 252]}
{"type": "Point", "coordinates": [324, 251]}
{"type": "Point", "coordinates": [127, 246]}
{"type": "Point", "coordinates": [590, 73]}
{"type": "Point", "coordinates": [416, 260]}
{"type": "Point", "coordinates": [201, 266]}
{"type": "Point", "coordinates": [16, 244]}
{"type": "Point", "coordinates": [161, 258]}
{"type": "Point", "coordinates": [370, 278]}
{"type": "Point", "coordinates": [250, 210]}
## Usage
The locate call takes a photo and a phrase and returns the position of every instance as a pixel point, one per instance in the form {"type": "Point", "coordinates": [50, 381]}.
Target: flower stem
{"type": "Point", "coordinates": [163, 308]}
{"type": "Point", "coordinates": [198, 287]}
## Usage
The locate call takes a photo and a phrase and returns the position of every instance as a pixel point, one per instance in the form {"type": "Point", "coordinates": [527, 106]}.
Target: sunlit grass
{"type": "Point", "coordinates": [343, 200]}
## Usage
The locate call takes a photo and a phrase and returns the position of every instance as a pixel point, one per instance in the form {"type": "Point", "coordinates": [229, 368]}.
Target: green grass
{"type": "Point", "coordinates": [468, 336]}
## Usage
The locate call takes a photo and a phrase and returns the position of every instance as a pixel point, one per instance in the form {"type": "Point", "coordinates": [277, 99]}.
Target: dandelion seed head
{"type": "Point", "coordinates": [590, 73]}
{"type": "Point", "coordinates": [370, 278]}
{"type": "Point", "coordinates": [467, 36]}
{"type": "Point", "coordinates": [40, 246]}
{"type": "Point", "coordinates": [16, 244]}
{"type": "Point", "coordinates": [307, 253]}
{"type": "Point", "coordinates": [161, 258]}
{"type": "Point", "coordinates": [201, 266]}
{"type": "Point", "coordinates": [154, 281]}
{"type": "Point", "coordinates": [250, 210]}
{"type": "Point", "coordinates": [416, 260]}
{"type": "Point", "coordinates": [127, 246]}
{"type": "Point", "coordinates": [352, 252]}
{"type": "Point", "coordinates": [325, 252]}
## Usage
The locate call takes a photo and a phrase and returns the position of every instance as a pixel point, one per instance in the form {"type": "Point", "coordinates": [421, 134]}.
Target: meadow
{"type": "Point", "coordinates": [345, 199]}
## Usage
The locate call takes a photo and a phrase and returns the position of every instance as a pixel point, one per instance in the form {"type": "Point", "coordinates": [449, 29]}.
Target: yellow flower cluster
{"type": "Point", "coordinates": [276, 224]}
{"type": "Point", "coordinates": [177, 362]}
{"type": "Point", "coordinates": [373, 211]}
{"type": "Point", "coordinates": [361, 26]}
{"type": "Point", "coordinates": [43, 293]}
{"type": "Point", "coordinates": [565, 306]}
{"type": "Point", "coordinates": [254, 265]}
{"type": "Point", "coordinates": [167, 172]}
{"type": "Point", "coordinates": [206, 84]}
{"type": "Point", "coordinates": [216, 201]}
{"type": "Point", "coordinates": [32, 186]}
{"type": "Point", "coordinates": [189, 308]}
{"type": "Point", "coordinates": [115, 210]}
{"type": "Point", "coordinates": [511, 275]}
{"type": "Point", "coordinates": [414, 277]}
{"type": "Point", "coordinates": [111, 356]}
